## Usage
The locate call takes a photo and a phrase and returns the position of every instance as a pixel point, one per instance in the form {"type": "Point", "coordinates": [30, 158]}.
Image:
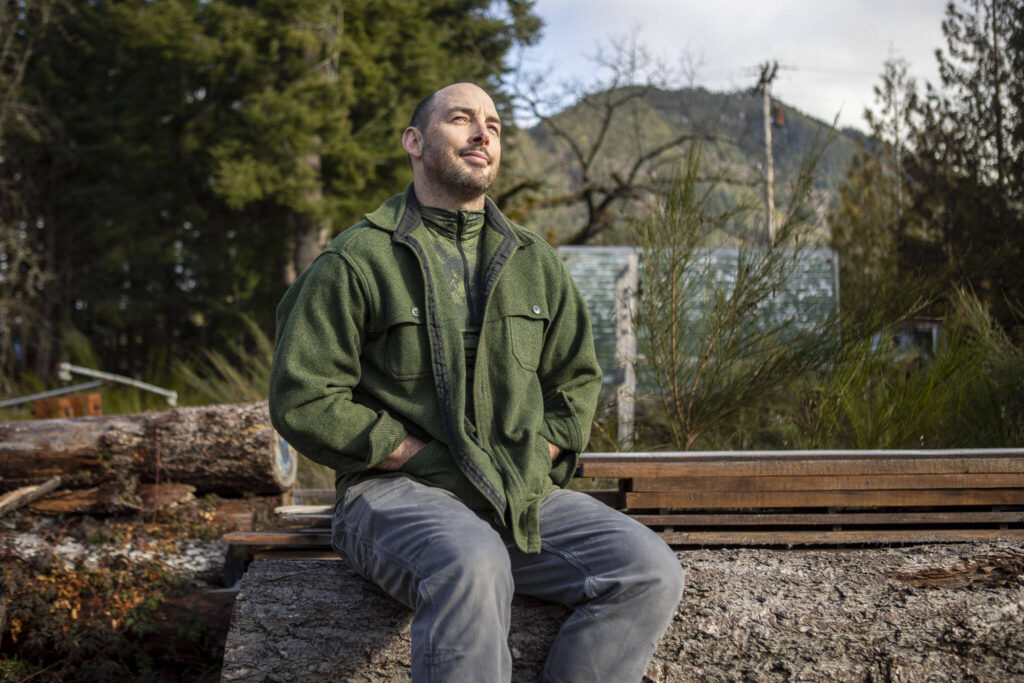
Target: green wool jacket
{"type": "Point", "coordinates": [368, 351]}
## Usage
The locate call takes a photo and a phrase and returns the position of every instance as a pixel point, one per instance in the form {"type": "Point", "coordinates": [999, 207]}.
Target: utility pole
{"type": "Point", "coordinates": [768, 71]}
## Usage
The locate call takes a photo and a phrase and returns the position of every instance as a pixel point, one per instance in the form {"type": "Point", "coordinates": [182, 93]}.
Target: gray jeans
{"type": "Point", "coordinates": [426, 549]}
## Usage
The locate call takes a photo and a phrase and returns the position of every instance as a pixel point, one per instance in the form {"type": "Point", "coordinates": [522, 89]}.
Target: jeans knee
{"type": "Point", "coordinates": [656, 570]}
{"type": "Point", "coordinates": [670, 577]}
{"type": "Point", "coordinates": [477, 566]}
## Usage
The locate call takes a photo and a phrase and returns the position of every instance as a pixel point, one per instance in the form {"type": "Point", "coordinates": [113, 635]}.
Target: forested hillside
{"type": "Point", "coordinates": [641, 126]}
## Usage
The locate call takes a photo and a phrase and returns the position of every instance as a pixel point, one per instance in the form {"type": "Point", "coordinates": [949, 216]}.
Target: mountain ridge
{"type": "Point", "coordinates": [639, 120]}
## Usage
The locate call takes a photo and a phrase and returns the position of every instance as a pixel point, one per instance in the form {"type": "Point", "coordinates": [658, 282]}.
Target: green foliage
{"type": "Point", "coordinates": [710, 347]}
{"type": "Point", "coordinates": [965, 394]}
{"type": "Point", "coordinates": [936, 196]}
{"type": "Point", "coordinates": [197, 153]}
{"type": "Point", "coordinates": [89, 625]}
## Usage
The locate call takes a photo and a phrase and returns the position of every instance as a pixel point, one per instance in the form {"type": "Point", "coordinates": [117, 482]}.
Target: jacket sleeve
{"type": "Point", "coordinates": [569, 374]}
{"type": "Point", "coordinates": [321, 327]}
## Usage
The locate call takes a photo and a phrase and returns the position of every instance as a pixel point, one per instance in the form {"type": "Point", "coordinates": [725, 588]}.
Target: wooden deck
{"type": "Point", "coordinates": [754, 498]}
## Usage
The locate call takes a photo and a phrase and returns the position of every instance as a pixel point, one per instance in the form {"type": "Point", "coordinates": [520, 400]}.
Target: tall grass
{"type": "Point", "coordinates": [968, 393]}
{"type": "Point", "coordinates": [238, 374]}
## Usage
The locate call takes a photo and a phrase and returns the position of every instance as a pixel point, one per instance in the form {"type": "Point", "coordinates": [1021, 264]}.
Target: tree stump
{"type": "Point", "coordinates": [226, 449]}
{"type": "Point", "coordinates": [930, 612]}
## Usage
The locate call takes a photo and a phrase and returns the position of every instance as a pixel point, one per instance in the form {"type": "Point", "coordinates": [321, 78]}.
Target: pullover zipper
{"type": "Point", "coordinates": [460, 225]}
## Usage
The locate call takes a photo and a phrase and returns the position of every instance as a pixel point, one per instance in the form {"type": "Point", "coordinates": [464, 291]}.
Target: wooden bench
{"type": "Point", "coordinates": [713, 498]}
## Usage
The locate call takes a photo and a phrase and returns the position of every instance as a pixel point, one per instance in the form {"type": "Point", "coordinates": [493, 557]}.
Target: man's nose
{"type": "Point", "coordinates": [481, 135]}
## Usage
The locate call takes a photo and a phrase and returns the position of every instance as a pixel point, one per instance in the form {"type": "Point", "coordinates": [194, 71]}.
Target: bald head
{"type": "Point", "coordinates": [454, 146]}
{"type": "Point", "coordinates": [421, 114]}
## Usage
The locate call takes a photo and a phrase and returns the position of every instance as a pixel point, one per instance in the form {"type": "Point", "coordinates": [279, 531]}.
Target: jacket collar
{"type": "Point", "coordinates": [400, 215]}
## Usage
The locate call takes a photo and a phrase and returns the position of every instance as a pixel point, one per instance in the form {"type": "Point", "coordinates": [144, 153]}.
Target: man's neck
{"type": "Point", "coordinates": [430, 195]}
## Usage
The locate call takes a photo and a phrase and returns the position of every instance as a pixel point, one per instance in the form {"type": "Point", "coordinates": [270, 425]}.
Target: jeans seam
{"type": "Point", "coordinates": [365, 543]}
{"type": "Point", "coordinates": [568, 556]}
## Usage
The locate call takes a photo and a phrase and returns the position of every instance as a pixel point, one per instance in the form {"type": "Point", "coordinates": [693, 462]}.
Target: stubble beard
{"type": "Point", "coordinates": [460, 182]}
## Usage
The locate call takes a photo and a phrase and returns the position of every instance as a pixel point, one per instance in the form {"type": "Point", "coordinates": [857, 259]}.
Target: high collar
{"type": "Point", "coordinates": [453, 224]}
{"type": "Point", "coordinates": [401, 215]}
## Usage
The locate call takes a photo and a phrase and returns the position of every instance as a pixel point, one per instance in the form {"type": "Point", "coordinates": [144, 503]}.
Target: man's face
{"type": "Point", "coordinates": [462, 142]}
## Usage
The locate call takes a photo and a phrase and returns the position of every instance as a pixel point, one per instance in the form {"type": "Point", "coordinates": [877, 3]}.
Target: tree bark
{"type": "Point", "coordinates": [226, 449]}
{"type": "Point", "coordinates": [929, 612]}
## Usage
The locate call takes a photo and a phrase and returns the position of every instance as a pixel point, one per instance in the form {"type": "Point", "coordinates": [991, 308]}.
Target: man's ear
{"type": "Point", "coordinates": [412, 141]}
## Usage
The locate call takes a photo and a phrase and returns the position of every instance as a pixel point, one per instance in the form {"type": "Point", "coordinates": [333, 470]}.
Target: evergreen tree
{"type": "Point", "coordinates": [963, 183]}
{"type": "Point", "coordinates": [870, 224]}
{"type": "Point", "coordinates": [23, 263]}
{"type": "Point", "coordinates": [204, 150]}
{"type": "Point", "coordinates": [937, 194]}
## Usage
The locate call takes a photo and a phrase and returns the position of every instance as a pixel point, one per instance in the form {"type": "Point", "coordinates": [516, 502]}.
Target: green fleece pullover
{"type": "Point", "coordinates": [368, 351]}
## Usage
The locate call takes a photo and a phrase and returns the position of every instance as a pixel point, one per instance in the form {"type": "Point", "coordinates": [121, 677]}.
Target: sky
{"type": "Point", "coordinates": [830, 52]}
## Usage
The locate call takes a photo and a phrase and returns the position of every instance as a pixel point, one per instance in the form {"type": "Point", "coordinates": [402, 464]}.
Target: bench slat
{"type": "Point", "coordinates": [811, 499]}
{"type": "Point", "coordinates": [694, 519]}
{"type": "Point", "coordinates": [303, 537]}
{"type": "Point", "coordinates": [842, 537]}
{"type": "Point", "coordinates": [800, 467]}
{"type": "Point", "coordinates": [831, 483]}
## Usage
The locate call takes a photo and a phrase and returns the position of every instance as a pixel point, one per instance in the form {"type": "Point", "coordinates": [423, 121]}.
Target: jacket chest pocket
{"type": "Point", "coordinates": [407, 347]}
{"type": "Point", "coordinates": [526, 330]}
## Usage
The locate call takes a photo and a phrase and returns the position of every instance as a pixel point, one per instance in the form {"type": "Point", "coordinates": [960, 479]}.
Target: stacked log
{"type": "Point", "coordinates": [230, 450]}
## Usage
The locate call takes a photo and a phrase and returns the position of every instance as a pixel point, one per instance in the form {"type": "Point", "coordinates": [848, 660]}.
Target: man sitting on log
{"type": "Point", "coordinates": [439, 358]}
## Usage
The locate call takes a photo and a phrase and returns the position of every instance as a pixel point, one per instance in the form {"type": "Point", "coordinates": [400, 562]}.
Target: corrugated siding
{"type": "Point", "coordinates": [809, 297]}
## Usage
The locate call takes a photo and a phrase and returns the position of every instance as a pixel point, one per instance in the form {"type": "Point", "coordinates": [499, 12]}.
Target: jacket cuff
{"type": "Point", "coordinates": [385, 435]}
{"type": "Point", "coordinates": [563, 432]}
{"type": "Point", "coordinates": [563, 469]}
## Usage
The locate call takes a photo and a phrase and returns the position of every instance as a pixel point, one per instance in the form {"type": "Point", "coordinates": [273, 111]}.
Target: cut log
{"type": "Point", "coordinates": [229, 449]}
{"type": "Point", "coordinates": [939, 612]}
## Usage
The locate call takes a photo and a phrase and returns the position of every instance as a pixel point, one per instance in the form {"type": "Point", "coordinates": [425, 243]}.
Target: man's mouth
{"type": "Point", "coordinates": [477, 155]}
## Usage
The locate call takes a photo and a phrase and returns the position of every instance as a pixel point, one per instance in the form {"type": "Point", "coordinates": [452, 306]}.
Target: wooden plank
{"type": "Point", "coordinates": [878, 536]}
{"type": "Point", "coordinates": [310, 542]}
{"type": "Point", "coordinates": [759, 467]}
{"type": "Point", "coordinates": [789, 499]}
{"type": "Point", "coordinates": [286, 554]}
{"type": "Point", "coordinates": [882, 454]}
{"type": "Point", "coordinates": [609, 497]}
{"type": "Point", "coordinates": [829, 518]}
{"type": "Point", "coordinates": [795, 519]}
{"type": "Point", "coordinates": [303, 511]}
{"type": "Point", "coordinates": [313, 496]}
{"type": "Point", "coordinates": [313, 537]}
{"type": "Point", "coordinates": [832, 483]}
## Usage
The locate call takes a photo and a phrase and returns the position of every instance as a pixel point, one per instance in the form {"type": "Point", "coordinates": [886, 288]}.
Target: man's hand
{"type": "Point", "coordinates": [554, 450]}
{"type": "Point", "coordinates": [409, 447]}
